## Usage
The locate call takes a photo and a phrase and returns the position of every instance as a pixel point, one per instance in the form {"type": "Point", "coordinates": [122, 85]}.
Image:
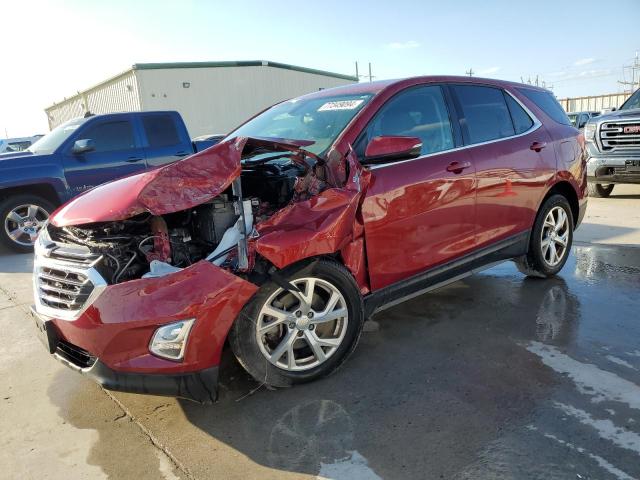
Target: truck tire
{"type": "Point", "coordinates": [21, 218]}
{"type": "Point", "coordinates": [599, 190]}
{"type": "Point", "coordinates": [550, 241]}
{"type": "Point", "coordinates": [283, 338]}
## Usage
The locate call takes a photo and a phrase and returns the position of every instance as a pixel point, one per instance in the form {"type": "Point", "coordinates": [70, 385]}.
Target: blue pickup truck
{"type": "Point", "coordinates": [81, 154]}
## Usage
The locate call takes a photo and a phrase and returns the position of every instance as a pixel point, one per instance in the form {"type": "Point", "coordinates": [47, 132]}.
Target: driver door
{"type": "Point", "coordinates": [418, 213]}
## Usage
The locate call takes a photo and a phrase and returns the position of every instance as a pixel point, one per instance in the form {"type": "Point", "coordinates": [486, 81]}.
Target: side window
{"type": "Point", "coordinates": [418, 112]}
{"type": "Point", "coordinates": [161, 131]}
{"type": "Point", "coordinates": [111, 136]}
{"type": "Point", "coordinates": [521, 119]}
{"type": "Point", "coordinates": [485, 113]}
{"type": "Point", "coordinates": [547, 103]}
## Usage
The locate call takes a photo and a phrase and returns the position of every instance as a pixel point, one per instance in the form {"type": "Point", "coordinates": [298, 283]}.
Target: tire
{"type": "Point", "coordinates": [266, 355]}
{"type": "Point", "coordinates": [599, 190]}
{"type": "Point", "coordinates": [30, 207]}
{"type": "Point", "coordinates": [539, 261]}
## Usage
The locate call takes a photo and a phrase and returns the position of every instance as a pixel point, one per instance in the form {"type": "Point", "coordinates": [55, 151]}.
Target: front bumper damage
{"type": "Point", "coordinates": [108, 341]}
{"type": "Point", "coordinates": [613, 169]}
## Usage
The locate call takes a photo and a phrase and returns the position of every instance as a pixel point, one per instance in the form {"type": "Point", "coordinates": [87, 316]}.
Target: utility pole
{"type": "Point", "coordinates": [470, 72]}
{"type": "Point", "coordinates": [370, 76]}
{"type": "Point", "coordinates": [635, 67]}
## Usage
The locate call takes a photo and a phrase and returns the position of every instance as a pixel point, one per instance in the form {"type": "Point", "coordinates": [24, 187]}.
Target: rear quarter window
{"type": "Point", "coordinates": [546, 102]}
{"type": "Point", "coordinates": [521, 119]}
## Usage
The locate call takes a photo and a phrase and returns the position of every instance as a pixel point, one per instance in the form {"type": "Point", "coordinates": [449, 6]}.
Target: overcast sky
{"type": "Point", "coordinates": [52, 49]}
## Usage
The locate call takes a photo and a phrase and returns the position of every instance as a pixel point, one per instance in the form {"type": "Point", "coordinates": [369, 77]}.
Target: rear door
{"type": "Point", "coordinates": [417, 213]}
{"type": "Point", "coordinates": [166, 138]}
{"type": "Point", "coordinates": [118, 153]}
{"type": "Point", "coordinates": [512, 156]}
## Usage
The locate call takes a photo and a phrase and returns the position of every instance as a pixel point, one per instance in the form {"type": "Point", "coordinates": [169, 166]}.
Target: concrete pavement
{"type": "Point", "coordinates": [492, 377]}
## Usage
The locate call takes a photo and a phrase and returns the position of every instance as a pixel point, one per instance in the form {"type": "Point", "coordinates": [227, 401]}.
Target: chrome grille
{"type": "Point", "coordinates": [63, 289]}
{"type": "Point", "coordinates": [613, 136]}
{"type": "Point", "coordinates": [65, 278]}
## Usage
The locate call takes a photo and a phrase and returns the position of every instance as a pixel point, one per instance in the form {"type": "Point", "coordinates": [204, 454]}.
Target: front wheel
{"type": "Point", "coordinates": [22, 217]}
{"type": "Point", "coordinates": [550, 241]}
{"type": "Point", "coordinates": [288, 336]}
{"type": "Point", "coordinates": [599, 190]}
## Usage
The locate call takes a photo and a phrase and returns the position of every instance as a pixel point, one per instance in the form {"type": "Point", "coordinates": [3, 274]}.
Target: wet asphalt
{"type": "Point", "coordinates": [496, 376]}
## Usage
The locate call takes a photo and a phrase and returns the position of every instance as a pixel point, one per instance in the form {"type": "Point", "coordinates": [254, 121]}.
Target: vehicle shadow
{"type": "Point", "coordinates": [437, 377]}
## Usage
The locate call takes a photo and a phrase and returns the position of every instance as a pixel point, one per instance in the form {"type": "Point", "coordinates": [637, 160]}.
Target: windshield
{"type": "Point", "coordinates": [320, 120]}
{"type": "Point", "coordinates": [573, 118]}
{"type": "Point", "coordinates": [56, 137]}
{"type": "Point", "coordinates": [632, 102]}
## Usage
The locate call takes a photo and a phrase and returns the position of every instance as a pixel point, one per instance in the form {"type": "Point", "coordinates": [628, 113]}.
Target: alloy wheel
{"type": "Point", "coordinates": [298, 331]}
{"type": "Point", "coordinates": [23, 223]}
{"type": "Point", "coordinates": [555, 236]}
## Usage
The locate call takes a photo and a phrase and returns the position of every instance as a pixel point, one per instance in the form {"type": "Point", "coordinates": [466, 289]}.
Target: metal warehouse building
{"type": "Point", "coordinates": [212, 97]}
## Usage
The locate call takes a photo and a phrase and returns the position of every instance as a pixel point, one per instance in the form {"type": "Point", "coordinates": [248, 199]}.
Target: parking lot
{"type": "Point", "coordinates": [492, 377]}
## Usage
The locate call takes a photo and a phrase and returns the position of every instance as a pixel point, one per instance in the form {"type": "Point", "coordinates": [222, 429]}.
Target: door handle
{"type": "Point", "coordinates": [537, 146]}
{"type": "Point", "coordinates": [457, 167]}
{"type": "Point", "coordinates": [181, 154]}
{"type": "Point", "coordinates": [134, 159]}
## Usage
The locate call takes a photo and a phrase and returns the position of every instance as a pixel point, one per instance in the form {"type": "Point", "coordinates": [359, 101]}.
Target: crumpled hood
{"type": "Point", "coordinates": [174, 187]}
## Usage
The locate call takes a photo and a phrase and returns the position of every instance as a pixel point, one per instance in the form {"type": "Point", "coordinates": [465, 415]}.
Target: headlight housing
{"type": "Point", "coordinates": [170, 341]}
{"type": "Point", "coordinates": [590, 132]}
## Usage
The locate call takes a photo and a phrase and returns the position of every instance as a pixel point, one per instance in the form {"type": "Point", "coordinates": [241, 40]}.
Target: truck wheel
{"type": "Point", "coordinates": [22, 216]}
{"type": "Point", "coordinates": [285, 337]}
{"type": "Point", "coordinates": [550, 241]}
{"type": "Point", "coordinates": [599, 190]}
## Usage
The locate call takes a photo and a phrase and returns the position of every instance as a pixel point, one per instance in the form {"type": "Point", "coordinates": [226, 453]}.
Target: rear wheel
{"type": "Point", "coordinates": [600, 190]}
{"type": "Point", "coordinates": [22, 217]}
{"type": "Point", "coordinates": [283, 337]}
{"type": "Point", "coordinates": [551, 239]}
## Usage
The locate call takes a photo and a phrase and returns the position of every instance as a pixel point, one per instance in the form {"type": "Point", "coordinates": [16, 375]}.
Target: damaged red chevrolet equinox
{"type": "Point", "coordinates": [282, 239]}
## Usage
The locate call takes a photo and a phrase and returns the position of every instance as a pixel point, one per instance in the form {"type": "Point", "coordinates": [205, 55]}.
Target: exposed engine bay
{"type": "Point", "coordinates": [152, 245]}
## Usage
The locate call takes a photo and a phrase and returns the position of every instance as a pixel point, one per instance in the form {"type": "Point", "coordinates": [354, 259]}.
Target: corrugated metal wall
{"type": "Point", "coordinates": [118, 94]}
{"type": "Point", "coordinates": [220, 98]}
{"type": "Point", "coordinates": [593, 103]}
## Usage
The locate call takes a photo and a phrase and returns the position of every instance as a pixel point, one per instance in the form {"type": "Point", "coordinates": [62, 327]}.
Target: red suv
{"type": "Point", "coordinates": [316, 213]}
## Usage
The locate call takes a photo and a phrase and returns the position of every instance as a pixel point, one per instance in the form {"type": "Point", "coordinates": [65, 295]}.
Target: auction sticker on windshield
{"type": "Point", "coordinates": [341, 105]}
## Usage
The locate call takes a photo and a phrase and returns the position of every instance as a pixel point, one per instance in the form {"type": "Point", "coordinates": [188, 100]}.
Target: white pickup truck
{"type": "Point", "coordinates": [613, 145]}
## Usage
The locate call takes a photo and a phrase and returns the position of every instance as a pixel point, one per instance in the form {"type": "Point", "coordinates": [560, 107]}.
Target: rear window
{"type": "Point", "coordinates": [161, 130]}
{"type": "Point", "coordinates": [547, 103]}
{"type": "Point", "coordinates": [485, 112]}
{"type": "Point", "coordinates": [521, 119]}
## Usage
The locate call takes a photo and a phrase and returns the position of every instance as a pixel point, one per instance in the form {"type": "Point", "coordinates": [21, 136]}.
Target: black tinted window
{"type": "Point", "coordinates": [111, 136]}
{"type": "Point", "coordinates": [161, 130]}
{"type": "Point", "coordinates": [547, 103]}
{"type": "Point", "coordinates": [485, 112]}
{"type": "Point", "coordinates": [521, 119]}
{"type": "Point", "coordinates": [419, 112]}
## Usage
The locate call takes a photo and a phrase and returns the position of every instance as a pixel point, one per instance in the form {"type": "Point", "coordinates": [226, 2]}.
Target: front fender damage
{"type": "Point", "coordinates": [324, 224]}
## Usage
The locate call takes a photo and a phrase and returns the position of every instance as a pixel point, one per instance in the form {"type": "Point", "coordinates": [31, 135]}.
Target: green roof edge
{"type": "Point", "coordinates": [241, 63]}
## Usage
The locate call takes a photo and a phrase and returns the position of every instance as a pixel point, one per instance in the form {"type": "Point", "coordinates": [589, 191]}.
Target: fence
{"type": "Point", "coordinates": [594, 103]}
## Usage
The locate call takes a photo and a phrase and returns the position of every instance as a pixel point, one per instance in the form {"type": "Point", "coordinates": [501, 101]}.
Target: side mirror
{"type": "Point", "coordinates": [582, 124]}
{"type": "Point", "coordinates": [389, 148]}
{"type": "Point", "coordinates": [83, 146]}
